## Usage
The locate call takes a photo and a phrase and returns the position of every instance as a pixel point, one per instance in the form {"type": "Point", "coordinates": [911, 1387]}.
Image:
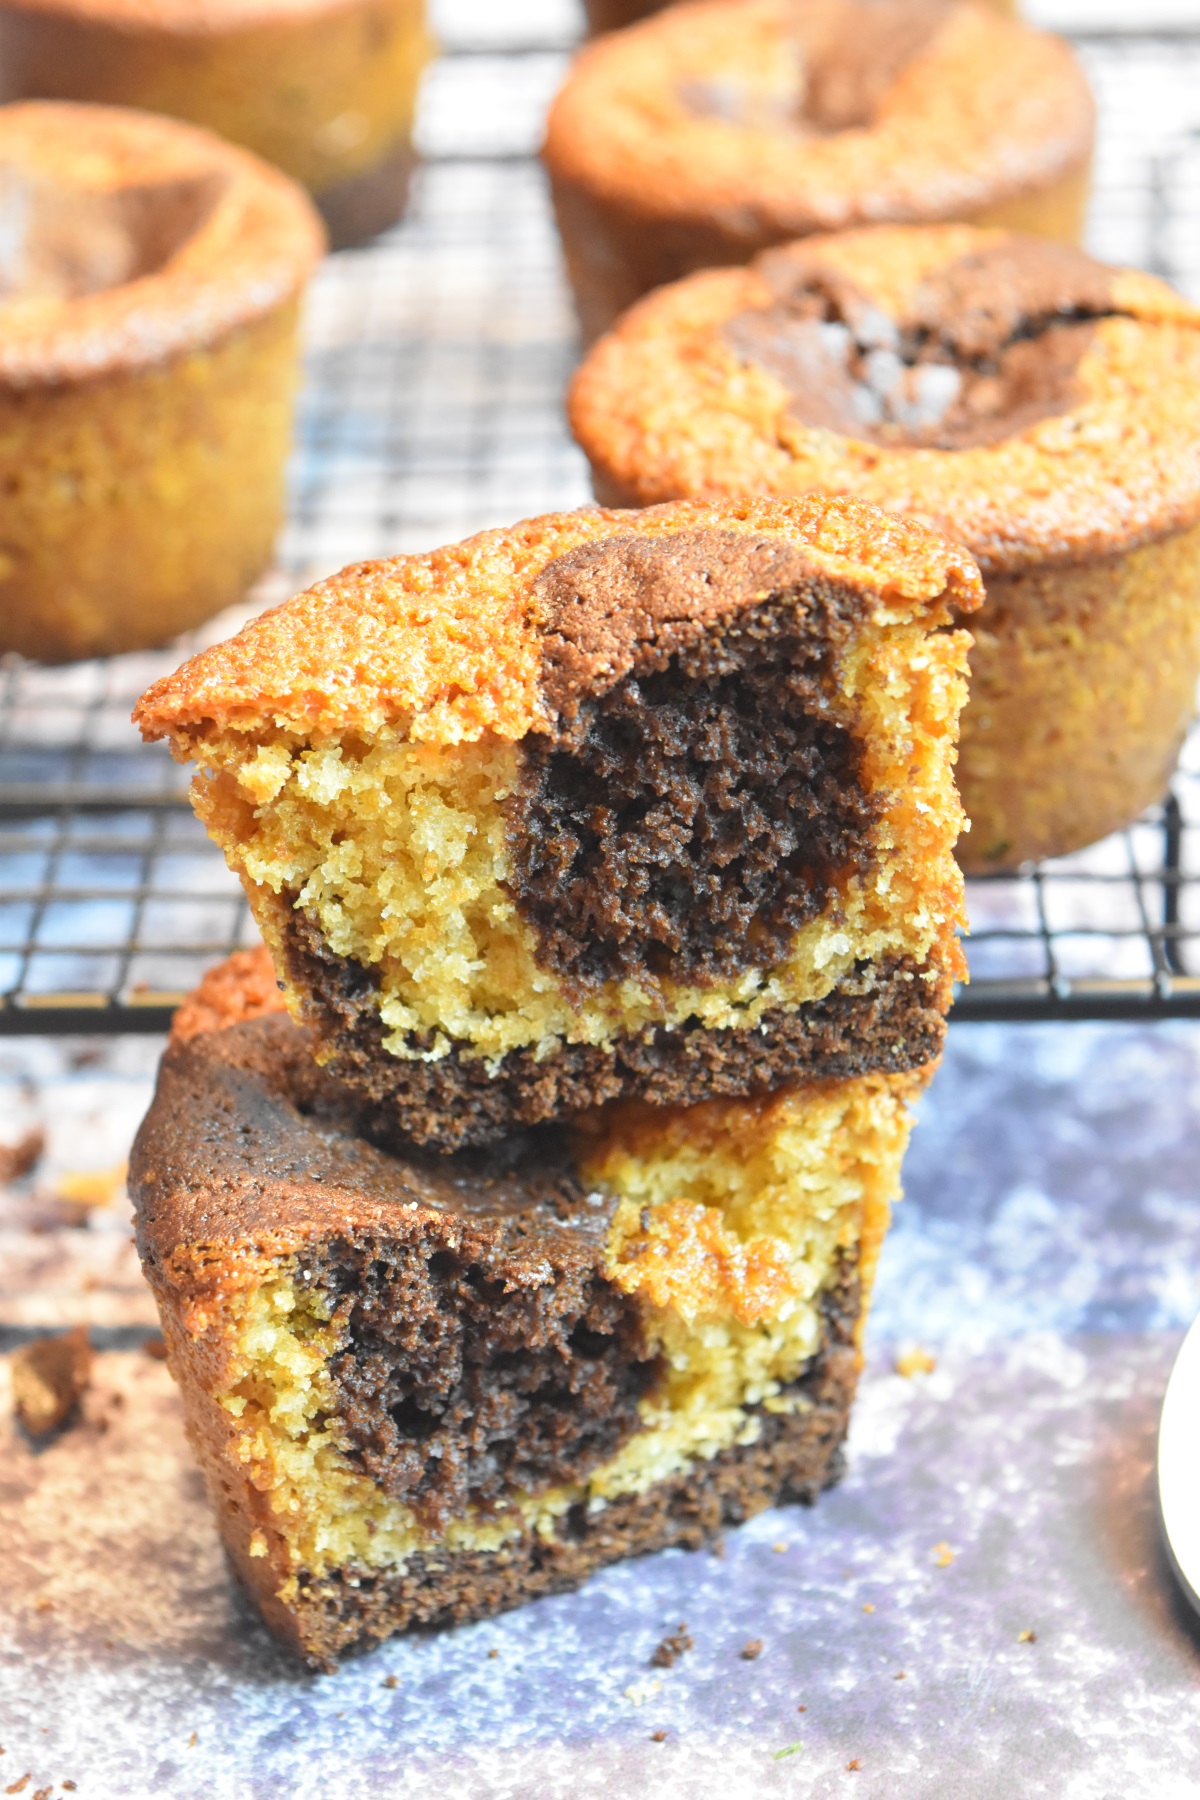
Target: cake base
{"type": "Point", "coordinates": [891, 1020]}
{"type": "Point", "coordinates": [796, 1457]}
{"type": "Point", "coordinates": [366, 204]}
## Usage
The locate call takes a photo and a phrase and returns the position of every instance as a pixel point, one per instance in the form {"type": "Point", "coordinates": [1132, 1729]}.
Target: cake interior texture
{"type": "Point", "coordinates": [425, 1388]}
{"type": "Point", "coordinates": [738, 811]}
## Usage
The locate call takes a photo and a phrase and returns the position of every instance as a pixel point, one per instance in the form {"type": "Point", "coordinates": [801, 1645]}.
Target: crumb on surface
{"type": "Point", "coordinates": [943, 1555]}
{"type": "Point", "coordinates": [193, 1741]}
{"type": "Point", "coordinates": [751, 1651]}
{"type": "Point", "coordinates": [779, 1548]}
{"type": "Point", "coordinates": [22, 1157]}
{"type": "Point", "coordinates": [19, 1786]}
{"type": "Point", "coordinates": [899, 1675]}
{"type": "Point", "coordinates": [90, 1188]}
{"type": "Point", "coordinates": [802, 1709]}
{"type": "Point", "coordinates": [43, 1604]}
{"type": "Point", "coordinates": [658, 1737]}
{"type": "Point", "coordinates": [1027, 1637]}
{"type": "Point", "coordinates": [915, 1361]}
{"type": "Point", "coordinates": [854, 1763]}
{"type": "Point", "coordinates": [867, 1606]}
{"type": "Point", "coordinates": [390, 1681]}
{"type": "Point", "coordinates": [666, 1654]}
{"type": "Point", "coordinates": [49, 1377]}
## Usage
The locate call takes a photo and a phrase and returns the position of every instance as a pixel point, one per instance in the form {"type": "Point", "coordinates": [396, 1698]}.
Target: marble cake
{"type": "Point", "coordinates": [652, 805]}
{"type": "Point", "coordinates": [426, 1387]}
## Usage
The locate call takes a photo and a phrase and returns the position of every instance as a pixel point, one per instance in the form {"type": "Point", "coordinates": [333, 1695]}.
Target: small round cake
{"type": "Point", "coordinates": [324, 89]}
{"type": "Point", "coordinates": [716, 129]}
{"type": "Point", "coordinates": [611, 15]}
{"type": "Point", "coordinates": [1038, 406]}
{"type": "Point", "coordinates": [150, 281]}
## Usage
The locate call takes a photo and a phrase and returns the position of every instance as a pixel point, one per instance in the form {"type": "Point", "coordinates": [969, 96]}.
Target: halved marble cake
{"type": "Point", "coordinates": [424, 1388]}
{"type": "Point", "coordinates": [653, 805]}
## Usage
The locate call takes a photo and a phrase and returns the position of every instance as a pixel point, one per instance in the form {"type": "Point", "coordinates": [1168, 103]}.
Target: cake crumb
{"type": "Point", "coordinates": [42, 1793]}
{"type": "Point", "coordinates": [915, 1361]}
{"type": "Point", "coordinates": [43, 1604]}
{"type": "Point", "coordinates": [751, 1651]}
{"type": "Point", "coordinates": [943, 1555]}
{"type": "Point", "coordinates": [658, 1737]}
{"type": "Point", "coordinates": [22, 1157]}
{"type": "Point", "coordinates": [390, 1681]}
{"type": "Point", "coordinates": [193, 1741]}
{"type": "Point", "coordinates": [867, 1606]}
{"type": "Point", "coordinates": [779, 1549]}
{"type": "Point", "coordinates": [854, 1764]}
{"type": "Point", "coordinates": [667, 1654]}
{"type": "Point", "coordinates": [1027, 1637]}
{"type": "Point", "coordinates": [49, 1377]}
{"type": "Point", "coordinates": [492, 1655]}
{"type": "Point", "coordinates": [91, 1188]}
{"type": "Point", "coordinates": [802, 1709]}
{"type": "Point", "coordinates": [899, 1675]}
{"type": "Point", "coordinates": [18, 1787]}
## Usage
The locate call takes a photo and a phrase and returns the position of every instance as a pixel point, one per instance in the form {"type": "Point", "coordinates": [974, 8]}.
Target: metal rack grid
{"type": "Point", "coordinates": [432, 408]}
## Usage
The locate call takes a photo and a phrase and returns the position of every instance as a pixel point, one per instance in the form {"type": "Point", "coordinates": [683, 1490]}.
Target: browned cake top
{"type": "Point", "coordinates": [249, 1146]}
{"type": "Point", "coordinates": [133, 238]}
{"type": "Point", "coordinates": [1030, 400]}
{"type": "Point", "coordinates": [182, 18]}
{"type": "Point", "coordinates": [781, 117]}
{"type": "Point", "coordinates": [485, 636]}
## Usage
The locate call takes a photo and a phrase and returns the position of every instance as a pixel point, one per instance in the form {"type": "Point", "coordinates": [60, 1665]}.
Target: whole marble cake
{"type": "Point", "coordinates": [423, 1388]}
{"type": "Point", "coordinates": [650, 805]}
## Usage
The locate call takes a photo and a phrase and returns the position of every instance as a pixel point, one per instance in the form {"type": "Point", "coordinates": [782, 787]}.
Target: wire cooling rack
{"type": "Point", "coordinates": [436, 362]}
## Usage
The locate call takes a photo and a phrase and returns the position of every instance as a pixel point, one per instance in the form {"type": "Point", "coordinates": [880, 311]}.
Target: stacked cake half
{"type": "Point", "coordinates": [606, 868]}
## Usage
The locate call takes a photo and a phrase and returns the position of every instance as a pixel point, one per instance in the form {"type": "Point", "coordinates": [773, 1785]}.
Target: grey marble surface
{"type": "Point", "coordinates": [1048, 1255]}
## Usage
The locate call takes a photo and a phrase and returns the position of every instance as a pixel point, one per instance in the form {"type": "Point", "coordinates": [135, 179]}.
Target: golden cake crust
{"type": "Point", "coordinates": [665, 406]}
{"type": "Point", "coordinates": [240, 988]}
{"type": "Point", "coordinates": [241, 240]}
{"type": "Point", "coordinates": [987, 111]}
{"type": "Point", "coordinates": [446, 642]}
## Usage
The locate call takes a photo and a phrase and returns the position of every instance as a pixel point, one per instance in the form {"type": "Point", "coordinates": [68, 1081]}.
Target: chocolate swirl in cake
{"type": "Point", "coordinates": [848, 55]}
{"type": "Point", "coordinates": [990, 344]}
{"type": "Point", "coordinates": [698, 803]}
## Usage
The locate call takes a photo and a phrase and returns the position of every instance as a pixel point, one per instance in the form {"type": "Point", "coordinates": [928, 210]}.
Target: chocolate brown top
{"type": "Point", "coordinates": [850, 55]}
{"type": "Point", "coordinates": [695, 803]}
{"type": "Point", "coordinates": [249, 1142]}
{"type": "Point", "coordinates": [990, 344]}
